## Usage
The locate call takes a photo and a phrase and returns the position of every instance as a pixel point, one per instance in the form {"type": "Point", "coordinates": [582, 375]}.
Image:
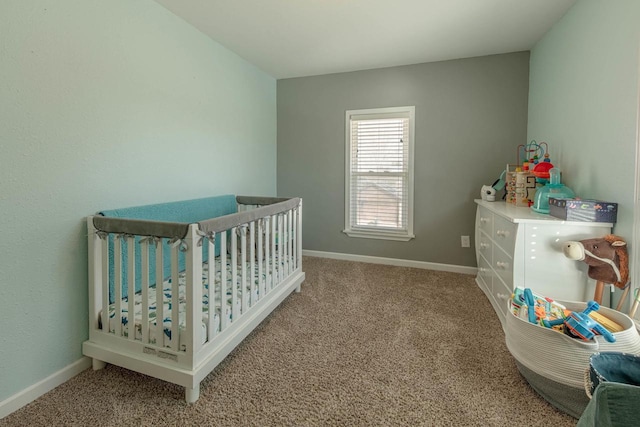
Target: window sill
{"type": "Point", "coordinates": [379, 235]}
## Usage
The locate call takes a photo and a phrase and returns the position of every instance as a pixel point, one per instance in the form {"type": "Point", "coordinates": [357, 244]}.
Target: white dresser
{"type": "Point", "coordinates": [519, 247]}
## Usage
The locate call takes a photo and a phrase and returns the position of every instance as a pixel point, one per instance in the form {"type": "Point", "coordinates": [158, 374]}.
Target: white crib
{"type": "Point", "coordinates": [252, 263]}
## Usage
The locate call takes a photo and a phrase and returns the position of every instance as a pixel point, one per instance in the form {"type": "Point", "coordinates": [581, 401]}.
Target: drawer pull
{"type": "Point", "coordinates": [484, 220]}
{"type": "Point", "coordinates": [503, 296]}
{"type": "Point", "coordinates": [484, 245]}
{"type": "Point", "coordinates": [502, 233]}
{"type": "Point", "coordinates": [503, 265]}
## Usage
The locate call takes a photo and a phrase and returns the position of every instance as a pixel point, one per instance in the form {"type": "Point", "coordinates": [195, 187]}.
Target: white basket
{"type": "Point", "coordinates": [559, 357]}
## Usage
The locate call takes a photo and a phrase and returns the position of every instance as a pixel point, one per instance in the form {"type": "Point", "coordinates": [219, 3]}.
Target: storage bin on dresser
{"type": "Point", "coordinates": [518, 247]}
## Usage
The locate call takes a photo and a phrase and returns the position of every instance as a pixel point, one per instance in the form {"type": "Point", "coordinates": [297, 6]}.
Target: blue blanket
{"type": "Point", "coordinates": [187, 211]}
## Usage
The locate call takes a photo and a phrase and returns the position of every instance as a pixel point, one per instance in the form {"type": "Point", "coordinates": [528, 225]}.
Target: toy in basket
{"type": "Point", "coordinates": [546, 312]}
{"type": "Point", "coordinates": [580, 325]}
{"type": "Point", "coordinates": [554, 363]}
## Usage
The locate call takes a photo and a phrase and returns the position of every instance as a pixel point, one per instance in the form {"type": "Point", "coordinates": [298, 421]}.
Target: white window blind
{"type": "Point", "coordinates": [379, 184]}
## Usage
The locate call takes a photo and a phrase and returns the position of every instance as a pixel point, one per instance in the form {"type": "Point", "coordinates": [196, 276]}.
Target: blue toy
{"type": "Point", "coordinates": [535, 308]}
{"type": "Point", "coordinates": [580, 325]}
{"type": "Point", "coordinates": [531, 304]}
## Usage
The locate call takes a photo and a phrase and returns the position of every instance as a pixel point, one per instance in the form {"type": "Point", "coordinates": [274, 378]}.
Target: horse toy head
{"type": "Point", "coordinates": [607, 259]}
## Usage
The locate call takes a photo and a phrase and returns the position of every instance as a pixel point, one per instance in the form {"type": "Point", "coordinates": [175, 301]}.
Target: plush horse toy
{"type": "Point", "coordinates": [608, 262]}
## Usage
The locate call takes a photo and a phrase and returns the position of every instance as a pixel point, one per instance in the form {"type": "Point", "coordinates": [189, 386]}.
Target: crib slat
{"type": "Point", "coordinates": [212, 289]}
{"type": "Point", "coordinates": [105, 285]}
{"type": "Point", "coordinates": [223, 280]}
{"type": "Point", "coordinates": [117, 270]}
{"type": "Point", "coordinates": [283, 244]}
{"type": "Point", "coordinates": [299, 236]}
{"type": "Point", "coordinates": [131, 288]}
{"type": "Point", "coordinates": [175, 301]}
{"type": "Point", "coordinates": [260, 261]}
{"type": "Point", "coordinates": [292, 246]}
{"type": "Point", "coordinates": [290, 242]}
{"type": "Point", "coordinates": [280, 248]}
{"type": "Point", "coordinates": [252, 266]}
{"type": "Point", "coordinates": [294, 255]}
{"type": "Point", "coordinates": [159, 295]}
{"type": "Point", "coordinates": [267, 259]}
{"type": "Point", "coordinates": [286, 264]}
{"type": "Point", "coordinates": [243, 264]}
{"type": "Point", "coordinates": [144, 256]}
{"type": "Point", "coordinates": [192, 336]}
{"type": "Point", "coordinates": [234, 275]}
{"type": "Point", "coordinates": [274, 254]}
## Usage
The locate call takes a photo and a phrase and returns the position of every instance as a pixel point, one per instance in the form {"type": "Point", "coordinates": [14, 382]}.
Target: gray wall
{"type": "Point", "coordinates": [470, 116]}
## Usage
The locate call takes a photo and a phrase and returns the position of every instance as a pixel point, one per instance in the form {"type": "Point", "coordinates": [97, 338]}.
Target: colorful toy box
{"type": "Point", "coordinates": [583, 210]}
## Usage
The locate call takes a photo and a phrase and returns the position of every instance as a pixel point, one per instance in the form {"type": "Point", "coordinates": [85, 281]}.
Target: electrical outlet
{"type": "Point", "coordinates": [464, 241]}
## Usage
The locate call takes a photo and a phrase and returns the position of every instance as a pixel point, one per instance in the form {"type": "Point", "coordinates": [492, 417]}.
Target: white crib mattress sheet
{"type": "Point", "coordinates": [206, 306]}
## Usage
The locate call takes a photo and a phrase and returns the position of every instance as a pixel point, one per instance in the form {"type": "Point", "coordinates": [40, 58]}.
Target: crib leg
{"type": "Point", "coordinates": [98, 364]}
{"type": "Point", "coordinates": [298, 289]}
{"type": "Point", "coordinates": [191, 395]}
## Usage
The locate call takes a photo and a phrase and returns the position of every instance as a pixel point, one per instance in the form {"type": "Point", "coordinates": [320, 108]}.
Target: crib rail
{"type": "Point", "coordinates": [179, 230]}
{"type": "Point", "coordinates": [217, 271]}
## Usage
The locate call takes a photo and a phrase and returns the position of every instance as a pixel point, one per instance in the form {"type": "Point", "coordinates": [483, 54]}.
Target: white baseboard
{"type": "Point", "coordinates": [31, 393]}
{"type": "Point", "coordinates": [393, 261]}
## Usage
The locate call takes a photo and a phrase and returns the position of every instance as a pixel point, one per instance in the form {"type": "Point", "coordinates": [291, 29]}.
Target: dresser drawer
{"type": "Point", "coordinates": [484, 245]}
{"type": "Point", "coordinates": [501, 294]}
{"type": "Point", "coordinates": [503, 265]}
{"type": "Point", "coordinates": [504, 234]}
{"type": "Point", "coordinates": [485, 221]}
{"type": "Point", "coordinates": [485, 273]}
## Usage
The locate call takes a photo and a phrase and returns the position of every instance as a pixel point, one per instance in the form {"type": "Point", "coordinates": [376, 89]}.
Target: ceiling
{"type": "Point", "coordinates": [294, 38]}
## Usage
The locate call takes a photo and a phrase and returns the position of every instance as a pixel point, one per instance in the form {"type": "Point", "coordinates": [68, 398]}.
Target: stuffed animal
{"type": "Point", "coordinates": [607, 259]}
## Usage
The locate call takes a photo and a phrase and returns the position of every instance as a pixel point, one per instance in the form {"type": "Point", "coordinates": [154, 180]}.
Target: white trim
{"type": "Point", "coordinates": [379, 235]}
{"type": "Point", "coordinates": [31, 393]}
{"type": "Point", "coordinates": [393, 261]}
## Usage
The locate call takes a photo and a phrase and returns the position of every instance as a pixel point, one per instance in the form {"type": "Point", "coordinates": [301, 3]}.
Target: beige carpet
{"type": "Point", "coordinates": [362, 344]}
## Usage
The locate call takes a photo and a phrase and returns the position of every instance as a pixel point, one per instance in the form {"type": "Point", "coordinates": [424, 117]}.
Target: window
{"type": "Point", "coordinates": [379, 173]}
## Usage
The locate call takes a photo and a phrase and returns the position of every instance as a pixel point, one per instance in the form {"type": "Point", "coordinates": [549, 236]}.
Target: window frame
{"type": "Point", "coordinates": [373, 232]}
